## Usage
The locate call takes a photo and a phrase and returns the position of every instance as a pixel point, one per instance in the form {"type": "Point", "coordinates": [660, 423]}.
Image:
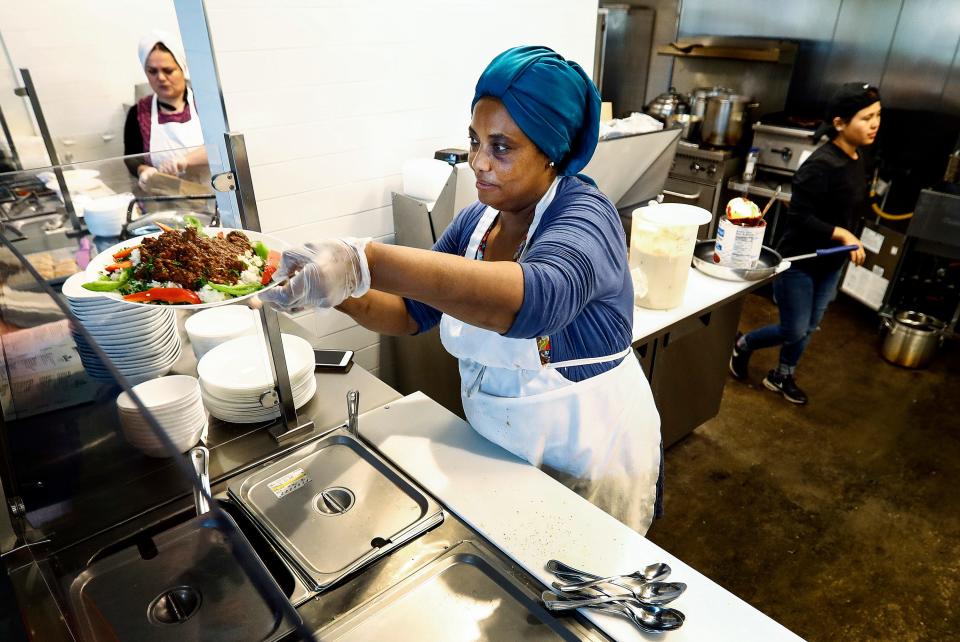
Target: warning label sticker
{"type": "Point", "coordinates": [290, 482]}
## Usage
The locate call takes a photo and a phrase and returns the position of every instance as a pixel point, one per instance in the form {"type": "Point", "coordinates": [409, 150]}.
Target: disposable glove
{"type": "Point", "coordinates": [145, 175]}
{"type": "Point", "coordinates": [321, 274]}
{"type": "Point", "coordinates": [173, 166]}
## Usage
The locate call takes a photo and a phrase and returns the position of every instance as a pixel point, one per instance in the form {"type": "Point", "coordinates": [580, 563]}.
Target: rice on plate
{"type": "Point", "coordinates": [194, 267]}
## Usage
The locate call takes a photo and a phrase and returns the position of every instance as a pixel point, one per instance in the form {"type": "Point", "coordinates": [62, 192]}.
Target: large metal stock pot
{"type": "Point", "coordinates": [912, 338]}
{"type": "Point", "coordinates": [725, 119]}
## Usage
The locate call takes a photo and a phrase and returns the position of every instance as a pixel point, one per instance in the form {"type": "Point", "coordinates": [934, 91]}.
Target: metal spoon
{"type": "Point", "coordinates": [648, 617]}
{"type": "Point", "coordinates": [559, 568]}
{"type": "Point", "coordinates": [658, 621]}
{"type": "Point", "coordinates": [651, 573]}
{"type": "Point", "coordinates": [564, 602]}
{"type": "Point", "coordinates": [649, 592]}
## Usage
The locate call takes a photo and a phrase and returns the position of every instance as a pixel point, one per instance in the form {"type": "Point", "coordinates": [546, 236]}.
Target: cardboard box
{"type": "Point", "coordinates": [167, 185]}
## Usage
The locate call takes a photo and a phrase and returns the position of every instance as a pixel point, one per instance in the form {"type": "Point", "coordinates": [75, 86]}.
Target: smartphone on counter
{"type": "Point", "coordinates": [333, 360]}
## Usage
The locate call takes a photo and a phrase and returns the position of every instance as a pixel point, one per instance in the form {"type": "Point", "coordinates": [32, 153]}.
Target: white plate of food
{"type": "Point", "coordinates": [194, 268]}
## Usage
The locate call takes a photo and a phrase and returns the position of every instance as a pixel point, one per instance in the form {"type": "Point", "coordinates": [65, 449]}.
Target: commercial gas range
{"type": "Point", "coordinates": [697, 177]}
{"type": "Point", "coordinates": [25, 199]}
{"type": "Point", "coordinates": [783, 144]}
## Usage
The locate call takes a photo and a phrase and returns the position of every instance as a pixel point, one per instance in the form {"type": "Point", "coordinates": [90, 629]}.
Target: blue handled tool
{"type": "Point", "coordinates": [824, 252]}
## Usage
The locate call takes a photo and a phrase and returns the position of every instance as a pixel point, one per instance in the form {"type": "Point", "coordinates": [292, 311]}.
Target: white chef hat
{"type": "Point", "coordinates": [169, 41]}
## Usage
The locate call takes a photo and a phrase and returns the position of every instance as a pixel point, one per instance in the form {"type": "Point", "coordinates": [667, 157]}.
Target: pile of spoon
{"type": "Point", "coordinates": [641, 596]}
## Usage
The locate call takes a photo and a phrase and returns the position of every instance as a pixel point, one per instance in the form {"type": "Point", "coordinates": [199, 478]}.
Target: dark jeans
{"type": "Point", "coordinates": [802, 298]}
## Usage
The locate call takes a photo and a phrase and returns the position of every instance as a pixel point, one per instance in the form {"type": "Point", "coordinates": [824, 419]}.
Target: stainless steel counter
{"type": "Point", "coordinates": [45, 576]}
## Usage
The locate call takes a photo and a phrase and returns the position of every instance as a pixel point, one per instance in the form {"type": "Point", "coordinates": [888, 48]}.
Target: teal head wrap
{"type": "Point", "coordinates": [551, 99]}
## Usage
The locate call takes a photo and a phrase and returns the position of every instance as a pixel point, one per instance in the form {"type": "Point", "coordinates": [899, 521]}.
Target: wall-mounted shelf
{"type": "Point", "coordinates": [748, 49]}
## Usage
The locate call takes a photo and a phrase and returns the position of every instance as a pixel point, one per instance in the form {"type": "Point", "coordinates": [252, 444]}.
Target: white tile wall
{"type": "Point", "coordinates": [333, 95]}
{"type": "Point", "coordinates": [83, 60]}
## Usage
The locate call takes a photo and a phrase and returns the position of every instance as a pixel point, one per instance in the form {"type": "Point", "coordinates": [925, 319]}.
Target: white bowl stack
{"type": "Point", "coordinates": [106, 216]}
{"type": "Point", "coordinates": [209, 328]}
{"type": "Point", "coordinates": [143, 343]}
{"type": "Point", "coordinates": [175, 403]}
{"type": "Point", "coordinates": [236, 384]}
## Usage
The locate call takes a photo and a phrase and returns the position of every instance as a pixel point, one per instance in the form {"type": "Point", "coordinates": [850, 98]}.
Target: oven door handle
{"type": "Point", "coordinates": [689, 197]}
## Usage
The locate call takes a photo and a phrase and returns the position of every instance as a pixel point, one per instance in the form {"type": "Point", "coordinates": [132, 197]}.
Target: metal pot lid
{"type": "Point", "coordinates": [672, 97]}
{"type": "Point", "coordinates": [919, 321]}
{"type": "Point", "coordinates": [730, 98]}
{"type": "Point", "coordinates": [706, 92]}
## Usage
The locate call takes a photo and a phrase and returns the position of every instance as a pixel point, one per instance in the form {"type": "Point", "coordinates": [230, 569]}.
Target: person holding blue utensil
{"type": "Point", "coordinates": [829, 191]}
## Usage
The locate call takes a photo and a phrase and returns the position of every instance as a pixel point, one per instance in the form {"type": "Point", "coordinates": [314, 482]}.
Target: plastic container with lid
{"type": "Point", "coordinates": [662, 238]}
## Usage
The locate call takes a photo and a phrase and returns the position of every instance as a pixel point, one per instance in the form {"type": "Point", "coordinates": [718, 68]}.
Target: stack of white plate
{"type": "Point", "coordinates": [175, 403]}
{"type": "Point", "coordinates": [236, 382]}
{"type": "Point", "coordinates": [209, 328]}
{"type": "Point", "coordinates": [143, 343]}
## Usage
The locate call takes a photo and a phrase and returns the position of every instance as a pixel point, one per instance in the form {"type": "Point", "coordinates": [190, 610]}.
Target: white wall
{"type": "Point", "coordinates": [332, 96]}
{"type": "Point", "coordinates": [83, 60]}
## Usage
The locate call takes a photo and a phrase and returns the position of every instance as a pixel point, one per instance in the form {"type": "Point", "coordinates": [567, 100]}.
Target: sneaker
{"type": "Point", "coordinates": [739, 360]}
{"type": "Point", "coordinates": [786, 385]}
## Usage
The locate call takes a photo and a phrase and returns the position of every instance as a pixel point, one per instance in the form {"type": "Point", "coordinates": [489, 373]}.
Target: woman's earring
{"type": "Point", "coordinates": [551, 163]}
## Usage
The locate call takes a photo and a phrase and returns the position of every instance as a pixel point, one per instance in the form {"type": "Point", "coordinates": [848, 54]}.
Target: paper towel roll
{"type": "Point", "coordinates": [424, 178]}
{"type": "Point", "coordinates": [606, 112]}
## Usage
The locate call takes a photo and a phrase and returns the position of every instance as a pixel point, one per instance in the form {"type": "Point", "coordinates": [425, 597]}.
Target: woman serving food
{"type": "Point", "coordinates": [530, 286]}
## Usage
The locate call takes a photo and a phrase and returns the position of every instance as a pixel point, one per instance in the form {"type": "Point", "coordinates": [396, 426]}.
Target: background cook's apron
{"type": "Point", "coordinates": [168, 140]}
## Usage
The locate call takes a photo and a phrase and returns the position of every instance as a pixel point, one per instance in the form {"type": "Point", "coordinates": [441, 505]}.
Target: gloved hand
{"type": "Point", "coordinates": [173, 166]}
{"type": "Point", "coordinates": [321, 274]}
{"type": "Point", "coordinates": [145, 174]}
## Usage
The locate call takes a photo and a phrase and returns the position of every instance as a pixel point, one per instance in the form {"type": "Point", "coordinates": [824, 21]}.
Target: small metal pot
{"type": "Point", "coordinates": [912, 339]}
{"type": "Point", "coordinates": [688, 123]}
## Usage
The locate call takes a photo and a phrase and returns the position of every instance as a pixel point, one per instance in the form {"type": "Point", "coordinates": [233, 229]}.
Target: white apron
{"type": "Point", "coordinates": [168, 140]}
{"type": "Point", "coordinates": [600, 437]}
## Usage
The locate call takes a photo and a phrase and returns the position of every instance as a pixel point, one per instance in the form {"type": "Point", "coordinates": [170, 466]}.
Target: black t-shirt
{"type": "Point", "coordinates": [829, 190]}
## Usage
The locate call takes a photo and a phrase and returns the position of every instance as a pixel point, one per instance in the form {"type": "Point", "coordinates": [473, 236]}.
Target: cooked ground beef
{"type": "Point", "coordinates": [191, 260]}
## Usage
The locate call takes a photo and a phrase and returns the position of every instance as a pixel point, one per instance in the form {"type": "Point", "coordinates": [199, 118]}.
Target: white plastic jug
{"type": "Point", "coordinates": [662, 238]}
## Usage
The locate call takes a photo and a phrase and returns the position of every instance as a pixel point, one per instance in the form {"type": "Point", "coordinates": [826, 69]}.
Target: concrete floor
{"type": "Point", "coordinates": [839, 519]}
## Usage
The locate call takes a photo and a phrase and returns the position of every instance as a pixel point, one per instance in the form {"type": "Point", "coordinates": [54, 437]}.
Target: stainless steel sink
{"type": "Point", "coordinates": [181, 584]}
{"type": "Point", "coordinates": [279, 568]}
{"type": "Point", "coordinates": [462, 596]}
{"type": "Point", "coordinates": [334, 506]}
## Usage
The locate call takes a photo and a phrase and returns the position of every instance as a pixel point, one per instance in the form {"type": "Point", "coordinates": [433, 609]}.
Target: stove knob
{"type": "Point", "coordinates": [696, 167]}
{"type": "Point", "coordinates": [711, 170]}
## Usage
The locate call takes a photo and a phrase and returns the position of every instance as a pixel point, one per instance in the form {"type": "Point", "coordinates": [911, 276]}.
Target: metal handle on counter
{"type": "Point", "coordinates": [689, 197]}
{"type": "Point", "coordinates": [353, 410]}
{"type": "Point", "coordinates": [200, 458]}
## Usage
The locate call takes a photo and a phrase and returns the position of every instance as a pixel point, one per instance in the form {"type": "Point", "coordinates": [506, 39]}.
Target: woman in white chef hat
{"type": "Point", "coordinates": [165, 123]}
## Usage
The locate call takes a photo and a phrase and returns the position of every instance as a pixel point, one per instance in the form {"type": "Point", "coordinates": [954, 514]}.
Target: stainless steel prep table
{"type": "Point", "coordinates": [684, 351]}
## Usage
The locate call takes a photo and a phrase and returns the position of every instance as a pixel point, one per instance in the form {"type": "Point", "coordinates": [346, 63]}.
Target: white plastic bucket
{"type": "Point", "coordinates": [662, 238]}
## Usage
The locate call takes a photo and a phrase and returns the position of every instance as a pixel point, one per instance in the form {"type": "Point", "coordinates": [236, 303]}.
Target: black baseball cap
{"type": "Point", "coordinates": [849, 98]}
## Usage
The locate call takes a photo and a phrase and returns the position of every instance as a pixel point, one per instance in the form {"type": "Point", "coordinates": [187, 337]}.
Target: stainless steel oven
{"type": "Point", "coordinates": [697, 177]}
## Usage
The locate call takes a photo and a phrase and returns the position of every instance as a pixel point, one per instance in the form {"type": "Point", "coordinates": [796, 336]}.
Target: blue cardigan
{"type": "Point", "coordinates": [576, 279]}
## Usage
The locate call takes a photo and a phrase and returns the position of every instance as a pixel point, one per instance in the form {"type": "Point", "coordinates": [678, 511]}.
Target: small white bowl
{"type": "Point", "coordinates": [157, 394]}
{"type": "Point", "coordinates": [155, 448]}
{"type": "Point", "coordinates": [106, 216]}
{"type": "Point", "coordinates": [209, 328]}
